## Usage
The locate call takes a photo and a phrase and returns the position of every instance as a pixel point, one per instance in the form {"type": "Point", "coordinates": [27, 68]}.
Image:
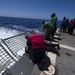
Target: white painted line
{"type": "Point", "coordinates": [67, 47]}
{"type": "Point", "coordinates": [52, 57]}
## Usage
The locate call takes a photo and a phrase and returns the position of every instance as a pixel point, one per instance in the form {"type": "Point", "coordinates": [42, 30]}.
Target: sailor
{"type": "Point", "coordinates": [54, 21]}
{"type": "Point", "coordinates": [36, 48]}
{"type": "Point", "coordinates": [48, 29]}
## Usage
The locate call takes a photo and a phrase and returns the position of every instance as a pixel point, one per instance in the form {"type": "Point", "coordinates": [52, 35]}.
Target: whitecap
{"type": "Point", "coordinates": [6, 32]}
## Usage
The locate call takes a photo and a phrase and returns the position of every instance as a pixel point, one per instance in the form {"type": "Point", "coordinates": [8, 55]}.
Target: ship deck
{"type": "Point", "coordinates": [64, 65]}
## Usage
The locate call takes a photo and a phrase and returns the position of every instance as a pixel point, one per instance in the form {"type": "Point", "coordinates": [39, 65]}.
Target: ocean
{"type": "Point", "coordinates": [10, 26]}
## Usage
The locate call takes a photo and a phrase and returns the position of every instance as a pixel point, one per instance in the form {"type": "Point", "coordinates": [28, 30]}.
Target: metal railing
{"type": "Point", "coordinates": [14, 44]}
{"type": "Point", "coordinates": [5, 58]}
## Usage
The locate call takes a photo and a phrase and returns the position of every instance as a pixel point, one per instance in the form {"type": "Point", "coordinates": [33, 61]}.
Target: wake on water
{"type": "Point", "coordinates": [6, 32]}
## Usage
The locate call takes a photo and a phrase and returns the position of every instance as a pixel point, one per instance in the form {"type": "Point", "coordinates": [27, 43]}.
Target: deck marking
{"type": "Point", "coordinates": [52, 57]}
{"type": "Point", "coordinates": [67, 47]}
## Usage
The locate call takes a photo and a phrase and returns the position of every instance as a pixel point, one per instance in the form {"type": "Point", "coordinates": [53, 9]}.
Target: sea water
{"type": "Point", "coordinates": [10, 26]}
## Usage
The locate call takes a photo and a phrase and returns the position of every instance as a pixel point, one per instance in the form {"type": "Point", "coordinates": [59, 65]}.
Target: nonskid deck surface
{"type": "Point", "coordinates": [23, 67]}
{"type": "Point", "coordinates": [65, 64]}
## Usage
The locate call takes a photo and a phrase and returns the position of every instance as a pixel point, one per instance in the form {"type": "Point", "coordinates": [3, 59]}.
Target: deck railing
{"type": "Point", "coordinates": [5, 59]}
{"type": "Point", "coordinates": [14, 44]}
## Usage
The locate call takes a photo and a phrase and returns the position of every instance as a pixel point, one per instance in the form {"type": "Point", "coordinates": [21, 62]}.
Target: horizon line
{"type": "Point", "coordinates": [23, 17]}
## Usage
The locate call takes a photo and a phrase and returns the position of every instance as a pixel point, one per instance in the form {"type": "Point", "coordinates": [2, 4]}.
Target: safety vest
{"type": "Point", "coordinates": [37, 41]}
